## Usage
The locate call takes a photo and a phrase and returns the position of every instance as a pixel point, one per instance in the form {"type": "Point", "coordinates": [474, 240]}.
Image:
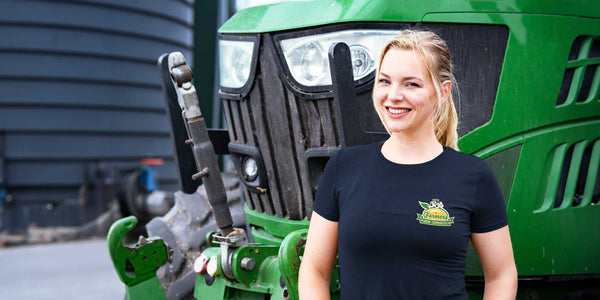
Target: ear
{"type": "Point", "coordinates": [446, 89]}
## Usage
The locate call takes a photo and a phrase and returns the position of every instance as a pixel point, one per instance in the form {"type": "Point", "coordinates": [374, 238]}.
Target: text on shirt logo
{"type": "Point", "coordinates": [434, 214]}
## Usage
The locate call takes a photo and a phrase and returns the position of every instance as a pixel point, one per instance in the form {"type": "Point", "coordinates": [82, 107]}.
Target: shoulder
{"type": "Point", "coordinates": [357, 154]}
{"type": "Point", "coordinates": [467, 162]}
{"type": "Point", "coordinates": [349, 159]}
{"type": "Point", "coordinates": [459, 157]}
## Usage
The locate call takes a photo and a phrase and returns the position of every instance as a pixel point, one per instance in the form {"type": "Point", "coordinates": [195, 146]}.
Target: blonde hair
{"type": "Point", "coordinates": [435, 55]}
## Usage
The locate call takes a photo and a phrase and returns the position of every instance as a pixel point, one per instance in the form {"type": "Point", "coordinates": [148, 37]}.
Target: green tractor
{"type": "Point", "coordinates": [296, 81]}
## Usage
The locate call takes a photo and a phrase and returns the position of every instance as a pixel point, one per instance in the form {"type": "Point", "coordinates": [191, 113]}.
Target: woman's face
{"type": "Point", "coordinates": [404, 94]}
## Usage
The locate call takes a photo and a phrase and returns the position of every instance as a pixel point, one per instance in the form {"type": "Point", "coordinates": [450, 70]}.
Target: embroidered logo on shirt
{"type": "Point", "coordinates": [434, 214]}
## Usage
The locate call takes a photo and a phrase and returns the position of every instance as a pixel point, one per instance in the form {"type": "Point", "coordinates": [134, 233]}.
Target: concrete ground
{"type": "Point", "coordinates": [68, 270]}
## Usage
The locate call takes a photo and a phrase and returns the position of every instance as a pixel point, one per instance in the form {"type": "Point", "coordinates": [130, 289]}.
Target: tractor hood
{"type": "Point", "coordinates": [301, 14]}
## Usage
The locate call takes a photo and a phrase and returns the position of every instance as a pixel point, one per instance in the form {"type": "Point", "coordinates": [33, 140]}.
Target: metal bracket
{"type": "Point", "coordinates": [136, 264]}
{"type": "Point", "coordinates": [183, 153]}
{"type": "Point", "coordinates": [236, 239]}
{"type": "Point", "coordinates": [292, 248]}
{"type": "Point", "coordinates": [182, 75]}
{"type": "Point", "coordinates": [290, 251]}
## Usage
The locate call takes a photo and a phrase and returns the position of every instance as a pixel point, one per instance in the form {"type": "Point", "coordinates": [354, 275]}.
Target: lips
{"type": "Point", "coordinates": [397, 111]}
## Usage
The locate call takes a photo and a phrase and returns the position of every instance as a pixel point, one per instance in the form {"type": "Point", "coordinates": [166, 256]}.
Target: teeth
{"type": "Point", "coordinates": [398, 110]}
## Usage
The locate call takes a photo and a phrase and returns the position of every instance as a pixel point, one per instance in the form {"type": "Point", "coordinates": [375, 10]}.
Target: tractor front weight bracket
{"type": "Point", "coordinates": [290, 252]}
{"type": "Point", "coordinates": [136, 264]}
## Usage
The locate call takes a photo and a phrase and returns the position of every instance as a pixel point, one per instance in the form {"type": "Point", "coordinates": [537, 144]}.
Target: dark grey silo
{"type": "Point", "coordinates": [80, 97]}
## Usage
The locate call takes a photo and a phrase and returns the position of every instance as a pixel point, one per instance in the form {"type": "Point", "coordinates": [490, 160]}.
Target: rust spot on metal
{"type": "Point", "coordinates": [299, 246]}
{"type": "Point", "coordinates": [261, 190]}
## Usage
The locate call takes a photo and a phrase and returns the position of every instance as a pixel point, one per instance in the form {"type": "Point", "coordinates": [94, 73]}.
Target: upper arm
{"type": "Point", "coordinates": [490, 211]}
{"type": "Point", "coordinates": [321, 246]}
{"type": "Point", "coordinates": [495, 252]}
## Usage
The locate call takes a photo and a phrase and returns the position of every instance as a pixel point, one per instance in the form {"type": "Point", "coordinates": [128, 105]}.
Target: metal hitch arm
{"type": "Point", "coordinates": [204, 154]}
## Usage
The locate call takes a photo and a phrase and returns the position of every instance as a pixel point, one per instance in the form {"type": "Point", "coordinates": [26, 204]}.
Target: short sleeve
{"type": "Point", "coordinates": [326, 200]}
{"type": "Point", "coordinates": [490, 211]}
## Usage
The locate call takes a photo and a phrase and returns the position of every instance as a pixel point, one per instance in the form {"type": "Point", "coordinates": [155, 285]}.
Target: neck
{"type": "Point", "coordinates": [404, 149]}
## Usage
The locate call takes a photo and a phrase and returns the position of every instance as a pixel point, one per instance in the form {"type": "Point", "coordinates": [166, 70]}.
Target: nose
{"type": "Point", "coordinates": [395, 93]}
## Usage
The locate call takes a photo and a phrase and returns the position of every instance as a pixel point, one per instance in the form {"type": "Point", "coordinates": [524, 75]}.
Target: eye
{"type": "Point", "coordinates": [383, 81]}
{"type": "Point", "coordinates": [412, 84]}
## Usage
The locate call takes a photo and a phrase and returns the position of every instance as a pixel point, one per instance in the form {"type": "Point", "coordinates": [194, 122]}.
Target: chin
{"type": "Point", "coordinates": [396, 128]}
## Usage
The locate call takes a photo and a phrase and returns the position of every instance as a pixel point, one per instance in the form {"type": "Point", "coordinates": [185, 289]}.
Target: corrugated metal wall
{"type": "Point", "coordinates": [80, 91]}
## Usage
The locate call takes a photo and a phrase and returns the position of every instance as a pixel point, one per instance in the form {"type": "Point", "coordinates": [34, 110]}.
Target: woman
{"type": "Point", "coordinates": [399, 214]}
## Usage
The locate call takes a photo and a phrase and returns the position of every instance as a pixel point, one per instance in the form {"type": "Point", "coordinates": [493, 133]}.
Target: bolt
{"type": "Point", "coordinates": [209, 280]}
{"type": "Point", "coordinates": [281, 282]}
{"type": "Point", "coordinates": [248, 263]}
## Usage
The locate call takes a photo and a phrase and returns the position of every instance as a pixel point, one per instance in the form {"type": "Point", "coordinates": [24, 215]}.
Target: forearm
{"type": "Point", "coordinates": [318, 259]}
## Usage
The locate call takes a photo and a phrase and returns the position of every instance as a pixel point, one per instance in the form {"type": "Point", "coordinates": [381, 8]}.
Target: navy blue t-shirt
{"type": "Point", "coordinates": [404, 229]}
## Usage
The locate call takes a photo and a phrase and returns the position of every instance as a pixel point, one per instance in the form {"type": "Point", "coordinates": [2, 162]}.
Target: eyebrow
{"type": "Point", "coordinates": [403, 78]}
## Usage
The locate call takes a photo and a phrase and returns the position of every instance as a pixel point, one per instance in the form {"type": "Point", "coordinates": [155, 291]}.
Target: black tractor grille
{"type": "Point", "coordinates": [282, 126]}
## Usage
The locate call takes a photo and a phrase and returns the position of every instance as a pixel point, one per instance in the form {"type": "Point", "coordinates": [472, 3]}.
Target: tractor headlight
{"type": "Point", "coordinates": [250, 168]}
{"type": "Point", "coordinates": [307, 57]}
{"type": "Point", "coordinates": [235, 62]}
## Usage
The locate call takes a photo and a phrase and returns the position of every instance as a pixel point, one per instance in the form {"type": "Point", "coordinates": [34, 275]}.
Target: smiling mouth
{"type": "Point", "coordinates": [397, 111]}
